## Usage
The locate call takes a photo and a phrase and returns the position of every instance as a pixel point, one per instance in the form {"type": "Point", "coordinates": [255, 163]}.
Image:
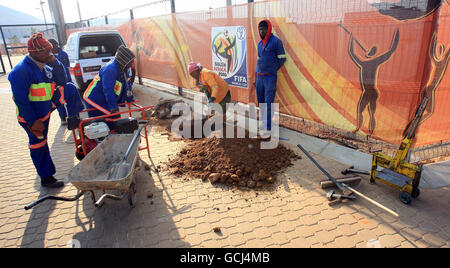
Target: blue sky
{"type": "Point", "coordinates": [94, 8]}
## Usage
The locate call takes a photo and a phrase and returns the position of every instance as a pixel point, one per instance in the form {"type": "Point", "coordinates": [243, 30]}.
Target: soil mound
{"type": "Point", "coordinates": [233, 162]}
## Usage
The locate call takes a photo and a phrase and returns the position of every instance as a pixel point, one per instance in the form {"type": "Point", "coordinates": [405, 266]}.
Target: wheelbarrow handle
{"type": "Point", "coordinates": [52, 197]}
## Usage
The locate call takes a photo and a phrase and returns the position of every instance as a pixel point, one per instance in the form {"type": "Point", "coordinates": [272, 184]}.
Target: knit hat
{"type": "Point", "coordinates": [38, 43]}
{"type": "Point", "coordinates": [53, 42]}
{"type": "Point", "coordinates": [192, 67]}
{"type": "Point", "coordinates": [124, 56]}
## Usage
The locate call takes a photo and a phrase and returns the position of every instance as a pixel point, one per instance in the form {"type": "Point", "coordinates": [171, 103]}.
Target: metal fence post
{"type": "Point", "coordinates": [173, 10]}
{"type": "Point", "coordinates": [6, 47]}
{"type": "Point", "coordinates": [138, 57]}
{"type": "Point", "coordinates": [172, 6]}
{"type": "Point", "coordinates": [58, 35]}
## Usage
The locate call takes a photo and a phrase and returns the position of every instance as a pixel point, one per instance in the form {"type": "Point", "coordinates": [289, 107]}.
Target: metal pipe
{"type": "Point", "coordinates": [172, 6]}
{"type": "Point", "coordinates": [6, 47]}
{"type": "Point", "coordinates": [79, 11]}
{"type": "Point", "coordinates": [138, 134]}
{"type": "Point", "coordinates": [339, 185]}
{"type": "Point", "coordinates": [3, 65]}
{"type": "Point", "coordinates": [24, 25]}
{"type": "Point", "coordinates": [343, 187]}
{"type": "Point", "coordinates": [101, 200]}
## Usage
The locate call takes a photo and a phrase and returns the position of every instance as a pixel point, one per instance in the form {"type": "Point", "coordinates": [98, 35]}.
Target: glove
{"type": "Point", "coordinates": [38, 129]}
{"type": "Point", "coordinates": [130, 99]}
{"type": "Point", "coordinates": [204, 89]}
{"type": "Point", "coordinates": [211, 99]}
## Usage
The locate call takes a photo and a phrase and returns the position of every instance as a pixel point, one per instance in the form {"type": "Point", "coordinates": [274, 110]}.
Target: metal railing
{"type": "Point", "coordinates": [141, 11]}
{"type": "Point", "coordinates": [21, 34]}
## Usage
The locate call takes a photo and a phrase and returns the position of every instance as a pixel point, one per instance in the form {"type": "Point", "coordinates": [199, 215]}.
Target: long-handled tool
{"type": "Point", "coordinates": [338, 198]}
{"type": "Point", "coordinates": [118, 168]}
{"type": "Point", "coordinates": [348, 191]}
{"type": "Point", "coordinates": [357, 42]}
{"type": "Point", "coordinates": [338, 184]}
{"type": "Point", "coordinates": [353, 170]}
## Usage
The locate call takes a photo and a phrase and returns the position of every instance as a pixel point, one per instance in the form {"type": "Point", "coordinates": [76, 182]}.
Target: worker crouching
{"type": "Point", "coordinates": [215, 88]}
{"type": "Point", "coordinates": [112, 86]}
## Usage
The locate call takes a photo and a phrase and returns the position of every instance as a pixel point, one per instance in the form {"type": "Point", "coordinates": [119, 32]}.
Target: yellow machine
{"type": "Point", "coordinates": [397, 171]}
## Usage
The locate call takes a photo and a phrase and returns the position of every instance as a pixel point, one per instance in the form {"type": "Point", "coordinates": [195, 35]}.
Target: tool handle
{"type": "Point", "coordinates": [371, 201]}
{"type": "Point", "coordinates": [52, 197]}
{"type": "Point", "coordinates": [357, 42]}
{"type": "Point", "coordinates": [133, 141]}
{"type": "Point", "coordinates": [321, 169]}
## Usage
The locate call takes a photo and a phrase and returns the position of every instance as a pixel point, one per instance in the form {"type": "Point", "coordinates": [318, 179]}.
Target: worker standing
{"type": "Point", "coordinates": [271, 57]}
{"type": "Point", "coordinates": [62, 56]}
{"type": "Point", "coordinates": [39, 85]}
{"type": "Point", "coordinates": [210, 83]}
{"type": "Point", "coordinates": [112, 86]}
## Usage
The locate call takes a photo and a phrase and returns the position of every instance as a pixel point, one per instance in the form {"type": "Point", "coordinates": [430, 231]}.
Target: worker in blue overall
{"type": "Point", "coordinates": [39, 85]}
{"type": "Point", "coordinates": [62, 56]}
{"type": "Point", "coordinates": [112, 86]}
{"type": "Point", "coordinates": [271, 57]}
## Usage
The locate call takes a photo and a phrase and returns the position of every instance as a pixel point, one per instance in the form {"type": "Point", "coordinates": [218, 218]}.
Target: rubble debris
{"type": "Point", "coordinates": [231, 162]}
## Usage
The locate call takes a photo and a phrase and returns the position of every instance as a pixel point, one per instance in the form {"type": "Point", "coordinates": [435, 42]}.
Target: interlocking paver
{"type": "Point", "coordinates": [183, 213]}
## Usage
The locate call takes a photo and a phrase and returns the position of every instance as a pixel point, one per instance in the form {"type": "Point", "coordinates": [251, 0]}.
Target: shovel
{"type": "Point", "coordinates": [122, 166]}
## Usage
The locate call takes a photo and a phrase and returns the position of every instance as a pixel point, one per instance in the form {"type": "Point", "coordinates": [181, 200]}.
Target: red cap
{"type": "Point", "coordinates": [193, 67]}
{"type": "Point", "coordinates": [38, 43]}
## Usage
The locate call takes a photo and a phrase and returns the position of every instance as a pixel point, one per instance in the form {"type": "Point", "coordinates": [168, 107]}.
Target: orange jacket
{"type": "Point", "coordinates": [216, 86]}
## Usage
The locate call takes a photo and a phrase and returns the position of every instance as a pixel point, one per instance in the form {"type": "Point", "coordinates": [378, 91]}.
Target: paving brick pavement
{"type": "Point", "coordinates": [183, 213]}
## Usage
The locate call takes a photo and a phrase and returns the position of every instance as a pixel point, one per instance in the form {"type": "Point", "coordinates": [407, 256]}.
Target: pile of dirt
{"type": "Point", "coordinates": [160, 125]}
{"type": "Point", "coordinates": [233, 162]}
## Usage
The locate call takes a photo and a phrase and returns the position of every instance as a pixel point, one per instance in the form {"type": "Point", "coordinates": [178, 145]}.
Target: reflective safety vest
{"type": "Point", "coordinates": [93, 84]}
{"type": "Point", "coordinates": [41, 92]}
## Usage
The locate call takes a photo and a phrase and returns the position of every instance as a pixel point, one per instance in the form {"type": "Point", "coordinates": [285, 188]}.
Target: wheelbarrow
{"type": "Point", "coordinates": [110, 166]}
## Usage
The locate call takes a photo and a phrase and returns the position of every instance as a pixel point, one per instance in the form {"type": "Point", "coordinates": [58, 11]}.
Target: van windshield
{"type": "Point", "coordinates": [96, 46]}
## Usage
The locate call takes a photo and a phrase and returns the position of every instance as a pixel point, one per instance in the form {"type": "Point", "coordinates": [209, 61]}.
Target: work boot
{"type": "Point", "coordinates": [73, 122]}
{"type": "Point", "coordinates": [51, 182]}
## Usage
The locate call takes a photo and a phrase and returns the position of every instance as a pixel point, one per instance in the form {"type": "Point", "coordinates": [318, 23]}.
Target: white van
{"type": "Point", "coordinates": [90, 51]}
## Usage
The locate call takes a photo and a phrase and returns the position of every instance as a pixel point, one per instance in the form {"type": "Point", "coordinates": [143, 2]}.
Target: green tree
{"type": "Point", "coordinates": [14, 41]}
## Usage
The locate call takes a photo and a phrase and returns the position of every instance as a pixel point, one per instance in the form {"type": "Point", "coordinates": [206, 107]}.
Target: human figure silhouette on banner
{"type": "Point", "coordinates": [440, 63]}
{"type": "Point", "coordinates": [368, 77]}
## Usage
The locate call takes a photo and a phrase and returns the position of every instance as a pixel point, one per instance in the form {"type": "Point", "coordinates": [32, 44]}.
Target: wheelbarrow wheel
{"type": "Point", "coordinates": [132, 194]}
{"type": "Point", "coordinates": [79, 155]}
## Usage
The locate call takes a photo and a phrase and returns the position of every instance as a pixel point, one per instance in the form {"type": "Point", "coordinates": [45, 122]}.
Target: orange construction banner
{"type": "Point", "coordinates": [362, 66]}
